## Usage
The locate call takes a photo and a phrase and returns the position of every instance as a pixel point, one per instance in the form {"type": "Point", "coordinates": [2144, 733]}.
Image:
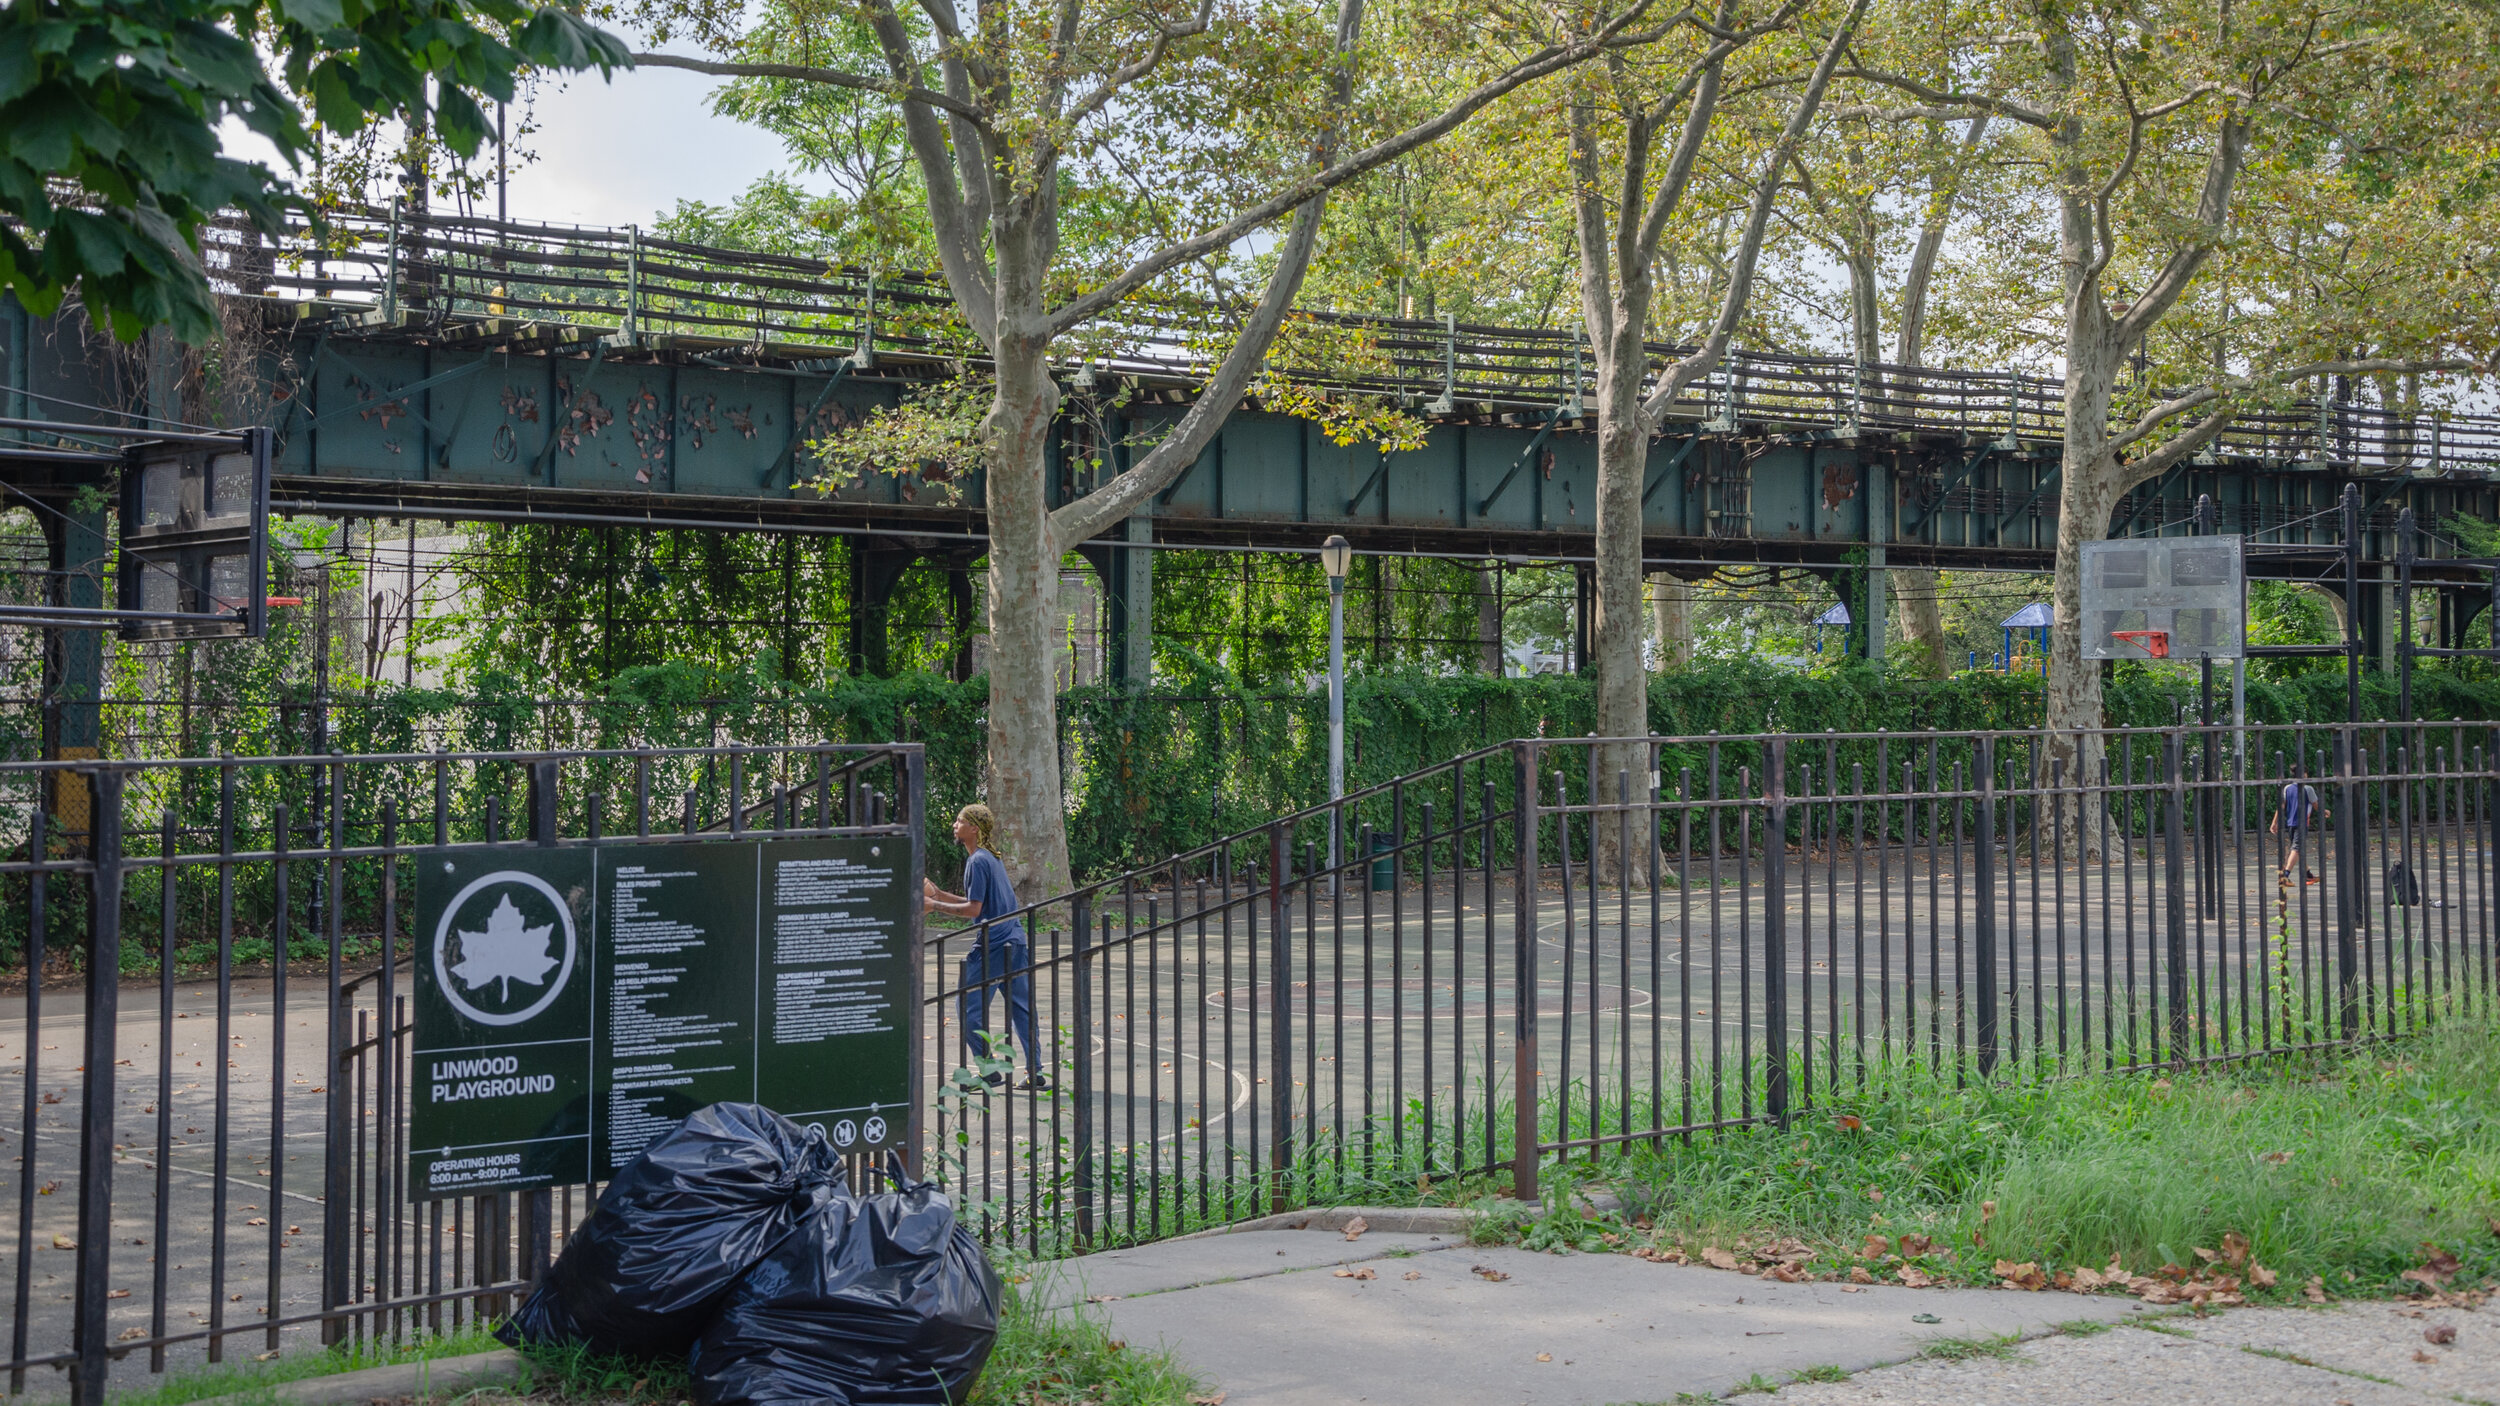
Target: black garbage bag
{"type": "Point", "coordinates": [872, 1299]}
{"type": "Point", "coordinates": [674, 1231]}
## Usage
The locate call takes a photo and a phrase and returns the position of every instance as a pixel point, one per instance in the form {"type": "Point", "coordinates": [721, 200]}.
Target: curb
{"type": "Point", "coordinates": [1393, 1220]}
{"type": "Point", "coordinates": [434, 1377]}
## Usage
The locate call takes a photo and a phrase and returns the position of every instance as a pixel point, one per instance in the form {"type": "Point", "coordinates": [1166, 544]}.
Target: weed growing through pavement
{"type": "Point", "coordinates": [1965, 1349]}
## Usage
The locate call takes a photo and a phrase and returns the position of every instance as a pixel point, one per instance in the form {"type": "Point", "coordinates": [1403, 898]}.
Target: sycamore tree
{"type": "Point", "coordinates": [1639, 124]}
{"type": "Point", "coordinates": [110, 162]}
{"type": "Point", "coordinates": [2151, 129]}
{"type": "Point", "coordinates": [1224, 119]}
{"type": "Point", "coordinates": [1878, 199]}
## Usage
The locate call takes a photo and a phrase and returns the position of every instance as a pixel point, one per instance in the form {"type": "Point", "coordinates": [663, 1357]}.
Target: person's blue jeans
{"type": "Point", "coordinates": [1001, 962]}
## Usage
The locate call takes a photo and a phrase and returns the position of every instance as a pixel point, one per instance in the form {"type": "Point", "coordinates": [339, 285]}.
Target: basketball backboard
{"type": "Point", "coordinates": [2194, 589]}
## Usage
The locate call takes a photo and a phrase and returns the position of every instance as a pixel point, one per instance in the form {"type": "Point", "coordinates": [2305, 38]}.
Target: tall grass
{"type": "Point", "coordinates": [2342, 1165]}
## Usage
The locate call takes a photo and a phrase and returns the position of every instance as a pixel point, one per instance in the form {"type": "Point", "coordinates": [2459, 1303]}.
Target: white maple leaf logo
{"type": "Point", "coordinates": [509, 950]}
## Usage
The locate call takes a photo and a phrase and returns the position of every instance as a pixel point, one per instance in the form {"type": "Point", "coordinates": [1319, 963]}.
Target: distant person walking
{"type": "Point", "coordinates": [2299, 810]}
{"type": "Point", "coordinates": [1002, 957]}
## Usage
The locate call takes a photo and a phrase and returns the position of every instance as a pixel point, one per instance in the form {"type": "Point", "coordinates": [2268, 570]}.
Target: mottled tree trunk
{"type": "Point", "coordinates": [1671, 603]}
{"type": "Point", "coordinates": [1922, 620]}
{"type": "Point", "coordinates": [1025, 627]}
{"type": "Point", "coordinates": [1489, 621]}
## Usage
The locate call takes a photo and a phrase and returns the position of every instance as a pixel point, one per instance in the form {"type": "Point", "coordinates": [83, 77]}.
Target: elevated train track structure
{"type": "Point", "coordinates": [467, 369]}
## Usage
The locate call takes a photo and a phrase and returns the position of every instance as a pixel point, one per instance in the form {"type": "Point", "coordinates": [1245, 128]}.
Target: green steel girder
{"type": "Point", "coordinates": [382, 425]}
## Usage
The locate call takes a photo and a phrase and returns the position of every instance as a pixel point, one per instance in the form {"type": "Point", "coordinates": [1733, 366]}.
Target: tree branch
{"type": "Point", "coordinates": [1552, 59]}
{"type": "Point", "coordinates": [958, 232]}
{"type": "Point", "coordinates": [803, 73]}
{"type": "Point", "coordinates": [1177, 450]}
{"type": "Point", "coordinates": [2213, 206]}
{"type": "Point", "coordinates": [2187, 442]}
{"type": "Point", "coordinates": [1966, 102]}
{"type": "Point", "coordinates": [1749, 248]}
{"type": "Point", "coordinates": [1126, 74]}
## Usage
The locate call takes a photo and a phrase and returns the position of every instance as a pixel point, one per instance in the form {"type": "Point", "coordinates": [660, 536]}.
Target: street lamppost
{"type": "Point", "coordinates": [1335, 555]}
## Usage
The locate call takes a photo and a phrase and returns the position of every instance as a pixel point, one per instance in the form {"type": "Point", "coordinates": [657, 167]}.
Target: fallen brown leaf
{"type": "Point", "coordinates": [1545, 1357]}
{"type": "Point", "coordinates": [2314, 1290]}
{"type": "Point", "coordinates": [1215, 1400]}
{"type": "Point", "coordinates": [1875, 1248]}
{"type": "Point", "coordinates": [2025, 1275]}
{"type": "Point", "coordinates": [1354, 1228]}
{"type": "Point", "coordinates": [1490, 1276]}
{"type": "Point", "coordinates": [1913, 1246]}
{"type": "Point", "coordinates": [1362, 1273]}
{"type": "Point", "coordinates": [2277, 1158]}
{"type": "Point", "coordinates": [2087, 1280]}
{"type": "Point", "coordinates": [2420, 1356]}
{"type": "Point", "coordinates": [2440, 1334]}
{"type": "Point", "coordinates": [1851, 1289]}
{"type": "Point", "coordinates": [1987, 1211]}
{"type": "Point", "coordinates": [1717, 1258]}
{"type": "Point", "coordinates": [130, 1333]}
{"type": "Point", "coordinates": [257, 1220]}
{"type": "Point", "coordinates": [118, 1294]}
{"type": "Point", "coordinates": [63, 1242]}
{"type": "Point", "coordinates": [2234, 1248]}
{"type": "Point", "coordinates": [1858, 1275]}
{"type": "Point", "coordinates": [2261, 1276]}
{"type": "Point", "coordinates": [1414, 1274]}
{"type": "Point", "coordinates": [1915, 1277]}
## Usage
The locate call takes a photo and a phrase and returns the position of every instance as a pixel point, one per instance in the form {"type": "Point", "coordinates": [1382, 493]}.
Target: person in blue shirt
{"type": "Point", "coordinates": [2299, 810]}
{"type": "Point", "coordinates": [1002, 958]}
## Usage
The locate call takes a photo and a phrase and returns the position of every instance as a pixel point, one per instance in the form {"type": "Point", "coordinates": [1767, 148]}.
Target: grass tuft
{"type": "Point", "coordinates": [1825, 1373]}
{"type": "Point", "coordinates": [1063, 1359]}
{"type": "Point", "coordinates": [252, 1381]}
{"type": "Point", "coordinates": [1966, 1349]}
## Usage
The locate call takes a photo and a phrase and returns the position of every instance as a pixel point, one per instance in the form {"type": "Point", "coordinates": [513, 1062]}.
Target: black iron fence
{"type": "Point", "coordinates": [1554, 947]}
{"type": "Point", "coordinates": [214, 1043]}
{"type": "Point", "coordinates": [1533, 951]}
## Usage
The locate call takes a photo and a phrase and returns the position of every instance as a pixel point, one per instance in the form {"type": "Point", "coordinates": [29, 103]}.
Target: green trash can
{"type": "Point", "coordinates": [1384, 862]}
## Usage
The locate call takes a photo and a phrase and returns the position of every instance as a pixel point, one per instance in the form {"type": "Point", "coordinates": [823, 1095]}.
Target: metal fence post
{"type": "Point", "coordinates": [1987, 926]}
{"type": "Point", "coordinates": [1081, 922]}
{"type": "Point", "coordinates": [538, 1208]}
{"type": "Point", "coordinates": [1775, 931]}
{"type": "Point", "coordinates": [2350, 876]}
{"type": "Point", "coordinates": [1280, 1019]}
{"type": "Point", "coordinates": [91, 1332]}
{"type": "Point", "coordinates": [340, 1133]}
{"type": "Point", "coordinates": [2174, 880]}
{"type": "Point", "coordinates": [915, 821]}
{"type": "Point", "coordinates": [1523, 838]}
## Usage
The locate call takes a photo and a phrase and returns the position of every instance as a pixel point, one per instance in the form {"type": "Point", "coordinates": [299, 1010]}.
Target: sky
{"type": "Point", "coordinates": [619, 153]}
{"type": "Point", "coordinates": [623, 152]}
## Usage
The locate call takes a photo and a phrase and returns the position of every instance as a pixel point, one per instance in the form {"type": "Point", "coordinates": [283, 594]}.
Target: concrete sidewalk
{"type": "Point", "coordinates": [1267, 1317]}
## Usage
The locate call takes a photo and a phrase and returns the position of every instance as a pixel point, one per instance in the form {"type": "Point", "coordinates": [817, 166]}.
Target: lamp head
{"type": "Point", "coordinates": [1335, 555]}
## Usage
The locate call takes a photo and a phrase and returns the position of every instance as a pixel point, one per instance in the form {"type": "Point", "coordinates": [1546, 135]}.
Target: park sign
{"type": "Point", "coordinates": [2165, 598]}
{"type": "Point", "coordinates": [574, 1004]}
